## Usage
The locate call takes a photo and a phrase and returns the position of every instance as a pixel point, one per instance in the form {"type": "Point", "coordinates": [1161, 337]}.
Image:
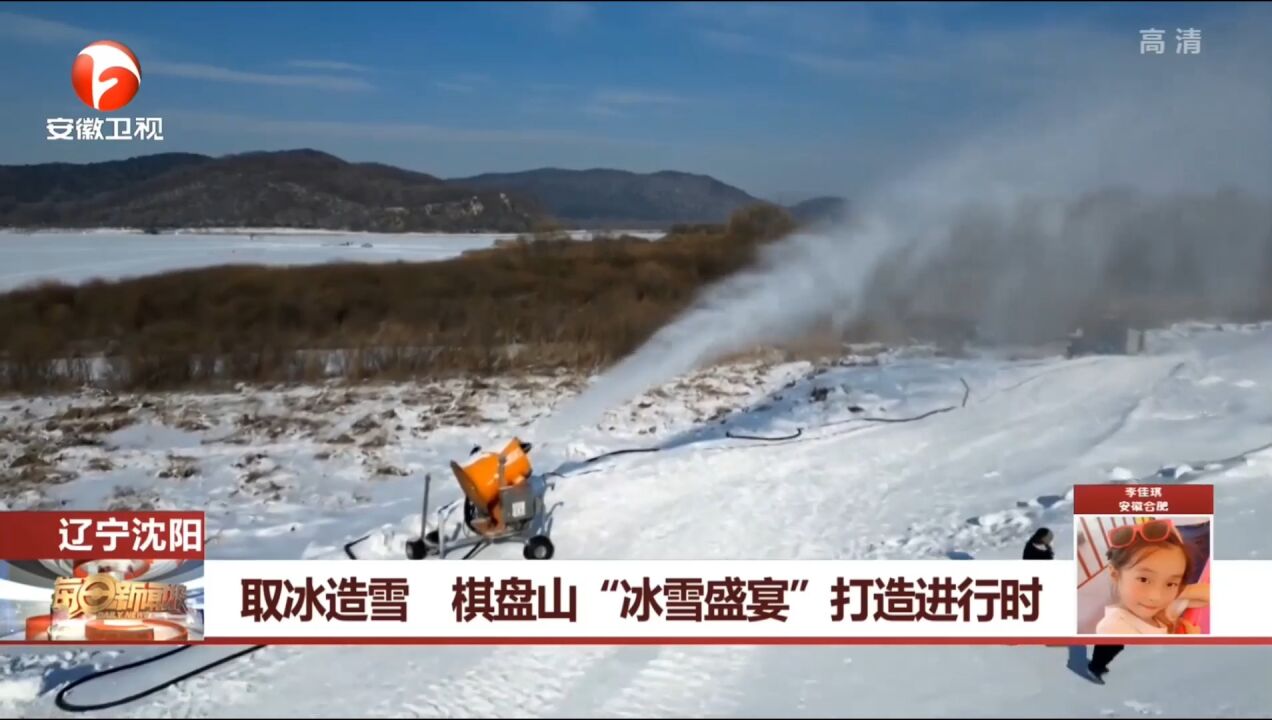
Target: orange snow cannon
{"type": "Point", "coordinates": [502, 501]}
{"type": "Point", "coordinates": [484, 479]}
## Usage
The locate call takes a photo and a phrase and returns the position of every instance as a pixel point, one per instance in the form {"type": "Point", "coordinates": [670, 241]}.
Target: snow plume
{"type": "Point", "coordinates": [1135, 170]}
{"type": "Point", "coordinates": [794, 282]}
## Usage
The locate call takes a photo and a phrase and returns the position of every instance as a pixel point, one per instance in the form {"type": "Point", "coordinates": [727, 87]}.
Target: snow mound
{"type": "Point", "coordinates": [1175, 472]}
{"type": "Point", "coordinates": [18, 691]}
{"type": "Point", "coordinates": [384, 544]}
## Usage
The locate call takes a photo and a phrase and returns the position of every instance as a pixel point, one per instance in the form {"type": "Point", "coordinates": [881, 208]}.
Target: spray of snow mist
{"type": "Point", "coordinates": [1036, 204]}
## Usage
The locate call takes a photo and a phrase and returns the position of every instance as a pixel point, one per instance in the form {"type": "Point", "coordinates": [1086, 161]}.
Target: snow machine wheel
{"type": "Point", "coordinates": [419, 549]}
{"type": "Point", "coordinates": [539, 547]}
{"type": "Point", "coordinates": [416, 549]}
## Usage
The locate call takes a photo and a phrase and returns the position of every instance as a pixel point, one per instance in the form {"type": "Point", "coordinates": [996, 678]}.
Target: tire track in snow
{"type": "Point", "coordinates": [516, 681]}
{"type": "Point", "coordinates": [748, 519]}
{"type": "Point", "coordinates": [1125, 417]}
{"type": "Point", "coordinates": [752, 520]}
{"type": "Point", "coordinates": [604, 679]}
{"type": "Point", "coordinates": [649, 516]}
{"type": "Point", "coordinates": [686, 682]}
{"type": "Point", "coordinates": [1113, 388]}
{"type": "Point", "coordinates": [803, 681]}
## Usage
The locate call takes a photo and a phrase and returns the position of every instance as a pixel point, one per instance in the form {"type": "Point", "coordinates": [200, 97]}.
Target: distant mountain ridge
{"type": "Point", "coordinates": [296, 188]}
{"type": "Point", "coordinates": [71, 182]}
{"type": "Point", "coordinates": [602, 196]}
{"type": "Point", "coordinates": [312, 189]}
{"type": "Point", "coordinates": [819, 209]}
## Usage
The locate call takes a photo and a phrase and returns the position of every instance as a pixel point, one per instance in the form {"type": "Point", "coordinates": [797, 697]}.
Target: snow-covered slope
{"type": "Point", "coordinates": [279, 478]}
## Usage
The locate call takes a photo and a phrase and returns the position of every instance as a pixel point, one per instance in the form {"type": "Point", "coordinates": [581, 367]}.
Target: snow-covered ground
{"type": "Point", "coordinates": [291, 473]}
{"type": "Point", "coordinates": [69, 256]}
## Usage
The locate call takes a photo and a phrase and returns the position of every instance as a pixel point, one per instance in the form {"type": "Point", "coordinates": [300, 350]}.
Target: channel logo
{"type": "Point", "coordinates": [106, 75]}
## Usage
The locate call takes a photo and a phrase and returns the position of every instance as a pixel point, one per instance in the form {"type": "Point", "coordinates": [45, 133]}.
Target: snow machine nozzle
{"type": "Point", "coordinates": [484, 478]}
{"type": "Point", "coordinates": [500, 503]}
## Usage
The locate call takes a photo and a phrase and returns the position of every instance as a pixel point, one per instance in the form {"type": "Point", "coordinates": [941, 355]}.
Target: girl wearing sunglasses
{"type": "Point", "coordinates": [1149, 566]}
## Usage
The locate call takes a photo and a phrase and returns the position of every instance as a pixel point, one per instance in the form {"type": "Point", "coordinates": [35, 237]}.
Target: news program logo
{"type": "Point", "coordinates": [100, 601]}
{"type": "Point", "coordinates": [106, 75]}
{"type": "Point", "coordinates": [101, 576]}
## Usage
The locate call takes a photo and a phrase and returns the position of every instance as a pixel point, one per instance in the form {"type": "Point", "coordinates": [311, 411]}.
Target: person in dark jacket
{"type": "Point", "coordinates": [1039, 546]}
{"type": "Point", "coordinates": [1101, 656]}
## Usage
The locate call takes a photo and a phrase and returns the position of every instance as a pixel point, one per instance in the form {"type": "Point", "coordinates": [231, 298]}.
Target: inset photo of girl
{"type": "Point", "coordinates": [1143, 575]}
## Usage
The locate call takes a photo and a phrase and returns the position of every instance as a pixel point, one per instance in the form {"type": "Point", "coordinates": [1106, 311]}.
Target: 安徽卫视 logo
{"type": "Point", "coordinates": [106, 75]}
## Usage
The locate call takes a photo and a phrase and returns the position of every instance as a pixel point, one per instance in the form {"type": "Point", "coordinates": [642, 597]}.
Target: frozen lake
{"type": "Point", "coordinates": [77, 256]}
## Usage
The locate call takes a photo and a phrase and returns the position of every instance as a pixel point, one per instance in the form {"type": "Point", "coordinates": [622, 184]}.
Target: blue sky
{"type": "Point", "coordinates": [782, 99]}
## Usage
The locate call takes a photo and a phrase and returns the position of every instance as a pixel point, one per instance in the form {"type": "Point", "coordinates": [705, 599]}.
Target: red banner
{"type": "Point", "coordinates": [1144, 499]}
{"type": "Point", "coordinates": [102, 535]}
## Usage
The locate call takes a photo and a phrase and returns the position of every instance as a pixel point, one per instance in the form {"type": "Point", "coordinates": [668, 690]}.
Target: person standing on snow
{"type": "Point", "coordinates": [1101, 656]}
{"type": "Point", "coordinates": [1039, 546]}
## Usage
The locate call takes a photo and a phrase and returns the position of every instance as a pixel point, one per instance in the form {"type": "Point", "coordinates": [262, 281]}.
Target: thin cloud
{"type": "Point", "coordinates": [821, 62]}
{"type": "Point", "coordinates": [215, 73]}
{"type": "Point", "coordinates": [826, 63]}
{"type": "Point", "coordinates": [921, 54]}
{"type": "Point", "coordinates": [41, 30]}
{"type": "Point", "coordinates": [333, 65]}
{"type": "Point", "coordinates": [51, 32]}
{"type": "Point", "coordinates": [637, 97]}
{"type": "Point", "coordinates": [616, 102]}
{"type": "Point", "coordinates": [897, 66]}
{"type": "Point", "coordinates": [295, 130]}
{"type": "Point", "coordinates": [595, 109]}
{"type": "Point", "coordinates": [891, 42]}
{"type": "Point", "coordinates": [787, 23]}
{"type": "Point", "coordinates": [465, 82]}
